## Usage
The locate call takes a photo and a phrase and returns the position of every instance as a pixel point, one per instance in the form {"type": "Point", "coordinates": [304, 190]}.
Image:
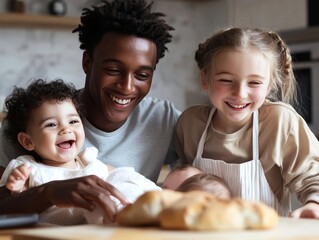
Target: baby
{"type": "Point", "coordinates": [45, 119]}
{"type": "Point", "coordinates": [187, 178]}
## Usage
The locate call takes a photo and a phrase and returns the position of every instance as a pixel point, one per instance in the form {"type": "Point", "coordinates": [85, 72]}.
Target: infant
{"type": "Point", "coordinates": [186, 178]}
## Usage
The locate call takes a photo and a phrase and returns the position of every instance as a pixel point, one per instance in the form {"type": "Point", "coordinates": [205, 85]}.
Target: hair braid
{"type": "Point", "coordinates": [288, 87]}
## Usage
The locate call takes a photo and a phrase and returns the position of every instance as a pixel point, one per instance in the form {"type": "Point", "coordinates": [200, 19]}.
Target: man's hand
{"type": "Point", "coordinates": [85, 192]}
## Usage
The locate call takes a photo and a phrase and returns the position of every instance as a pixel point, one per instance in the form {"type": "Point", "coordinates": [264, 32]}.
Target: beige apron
{"type": "Point", "coordinates": [246, 180]}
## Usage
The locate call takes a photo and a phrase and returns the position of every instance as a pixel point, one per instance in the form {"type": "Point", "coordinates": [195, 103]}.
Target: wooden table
{"type": "Point", "coordinates": [293, 229]}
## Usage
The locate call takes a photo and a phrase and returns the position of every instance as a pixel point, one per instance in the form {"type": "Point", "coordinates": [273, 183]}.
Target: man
{"type": "Point", "coordinates": [122, 42]}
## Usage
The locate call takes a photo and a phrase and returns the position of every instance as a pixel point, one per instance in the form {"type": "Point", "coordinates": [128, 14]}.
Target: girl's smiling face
{"type": "Point", "coordinates": [238, 84]}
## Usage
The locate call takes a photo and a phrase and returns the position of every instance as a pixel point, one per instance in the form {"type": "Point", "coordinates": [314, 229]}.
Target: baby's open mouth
{"type": "Point", "coordinates": [66, 144]}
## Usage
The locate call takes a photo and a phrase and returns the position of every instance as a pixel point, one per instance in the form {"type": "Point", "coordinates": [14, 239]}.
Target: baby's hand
{"type": "Point", "coordinates": [310, 210]}
{"type": "Point", "coordinates": [18, 177]}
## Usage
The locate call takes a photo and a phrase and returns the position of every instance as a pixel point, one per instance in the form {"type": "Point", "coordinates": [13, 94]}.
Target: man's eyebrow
{"type": "Point", "coordinates": [111, 60]}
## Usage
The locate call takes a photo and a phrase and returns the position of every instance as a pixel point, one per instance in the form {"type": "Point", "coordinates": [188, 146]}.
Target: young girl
{"type": "Point", "coordinates": [45, 120]}
{"type": "Point", "coordinates": [251, 136]}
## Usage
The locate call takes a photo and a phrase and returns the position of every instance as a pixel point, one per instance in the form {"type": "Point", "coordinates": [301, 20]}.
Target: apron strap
{"type": "Point", "coordinates": [201, 144]}
{"type": "Point", "coordinates": [255, 134]}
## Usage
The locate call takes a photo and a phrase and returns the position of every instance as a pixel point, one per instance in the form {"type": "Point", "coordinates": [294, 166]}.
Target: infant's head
{"type": "Point", "coordinates": [206, 182]}
{"type": "Point", "coordinates": [178, 175]}
{"type": "Point", "coordinates": [186, 178]}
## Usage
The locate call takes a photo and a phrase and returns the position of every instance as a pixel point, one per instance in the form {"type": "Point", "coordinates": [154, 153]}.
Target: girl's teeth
{"type": "Point", "coordinates": [237, 106]}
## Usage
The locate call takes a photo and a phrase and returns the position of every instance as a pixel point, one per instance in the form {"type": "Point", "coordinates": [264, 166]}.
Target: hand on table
{"type": "Point", "coordinates": [310, 210]}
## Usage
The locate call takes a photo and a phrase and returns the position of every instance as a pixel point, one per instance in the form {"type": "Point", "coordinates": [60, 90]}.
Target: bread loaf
{"type": "Point", "coordinates": [217, 214]}
{"type": "Point", "coordinates": [196, 210]}
{"type": "Point", "coordinates": [147, 207]}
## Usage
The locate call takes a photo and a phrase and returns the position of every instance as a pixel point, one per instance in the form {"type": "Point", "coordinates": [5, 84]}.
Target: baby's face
{"type": "Point", "coordinates": [56, 133]}
{"type": "Point", "coordinates": [175, 178]}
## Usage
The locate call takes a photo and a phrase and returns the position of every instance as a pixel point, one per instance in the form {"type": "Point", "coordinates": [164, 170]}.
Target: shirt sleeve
{"type": "Point", "coordinates": [301, 162]}
{"type": "Point", "coordinates": [171, 157]}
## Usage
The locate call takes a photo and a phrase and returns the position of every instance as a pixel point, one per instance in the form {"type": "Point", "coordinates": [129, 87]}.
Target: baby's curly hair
{"type": "Point", "coordinates": [20, 103]}
{"type": "Point", "coordinates": [132, 17]}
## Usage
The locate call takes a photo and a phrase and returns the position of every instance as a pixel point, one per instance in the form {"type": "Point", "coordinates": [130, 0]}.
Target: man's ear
{"type": "Point", "coordinates": [25, 141]}
{"type": "Point", "coordinates": [86, 62]}
{"type": "Point", "coordinates": [204, 80]}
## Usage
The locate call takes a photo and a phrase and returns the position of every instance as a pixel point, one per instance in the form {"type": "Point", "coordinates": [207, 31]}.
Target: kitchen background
{"type": "Point", "coordinates": [34, 43]}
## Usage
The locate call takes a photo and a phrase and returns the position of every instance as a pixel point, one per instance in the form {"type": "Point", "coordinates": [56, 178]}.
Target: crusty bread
{"type": "Point", "coordinates": [147, 207]}
{"type": "Point", "coordinates": [217, 214]}
{"type": "Point", "coordinates": [196, 210]}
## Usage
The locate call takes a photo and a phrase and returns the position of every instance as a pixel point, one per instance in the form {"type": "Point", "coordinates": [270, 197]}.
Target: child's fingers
{"type": "Point", "coordinates": [16, 174]}
{"type": "Point", "coordinates": [15, 185]}
{"type": "Point", "coordinates": [24, 170]}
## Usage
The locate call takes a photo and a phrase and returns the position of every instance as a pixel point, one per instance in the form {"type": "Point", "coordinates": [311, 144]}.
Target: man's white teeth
{"type": "Point", "coordinates": [120, 101]}
{"type": "Point", "coordinates": [237, 106]}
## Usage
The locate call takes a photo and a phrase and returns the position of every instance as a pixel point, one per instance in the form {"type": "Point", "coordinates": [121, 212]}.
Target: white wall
{"type": "Point", "coordinates": [273, 14]}
{"type": "Point", "coordinates": [176, 77]}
